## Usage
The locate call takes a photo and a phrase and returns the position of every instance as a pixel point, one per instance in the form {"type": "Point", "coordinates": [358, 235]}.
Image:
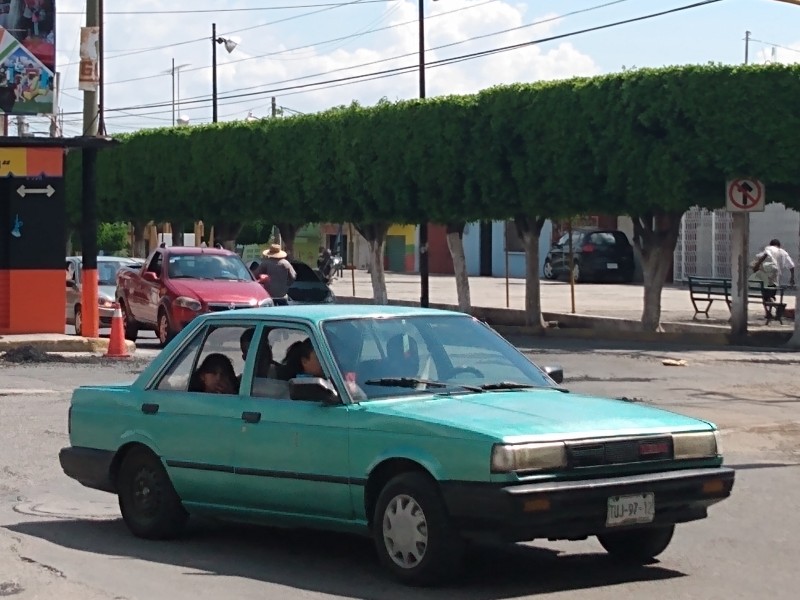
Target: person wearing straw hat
{"type": "Point", "coordinates": [280, 271]}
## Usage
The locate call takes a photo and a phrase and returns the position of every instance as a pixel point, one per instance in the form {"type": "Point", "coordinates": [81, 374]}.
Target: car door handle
{"type": "Point", "coordinates": [149, 409]}
{"type": "Point", "coordinates": [251, 417]}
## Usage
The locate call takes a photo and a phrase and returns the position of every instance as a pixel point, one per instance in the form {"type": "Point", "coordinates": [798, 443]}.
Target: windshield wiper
{"type": "Point", "coordinates": [412, 382]}
{"type": "Point", "coordinates": [513, 385]}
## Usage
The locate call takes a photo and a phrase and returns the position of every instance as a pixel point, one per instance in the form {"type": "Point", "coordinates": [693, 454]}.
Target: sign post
{"type": "Point", "coordinates": [742, 197]}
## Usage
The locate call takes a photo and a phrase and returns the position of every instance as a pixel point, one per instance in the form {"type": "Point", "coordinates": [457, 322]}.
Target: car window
{"type": "Point", "coordinates": [622, 239]}
{"type": "Point", "coordinates": [219, 339]}
{"type": "Point", "coordinates": [602, 238]}
{"type": "Point", "coordinates": [576, 240]}
{"type": "Point", "coordinates": [271, 371]}
{"type": "Point", "coordinates": [155, 264]}
{"type": "Point", "coordinates": [449, 350]}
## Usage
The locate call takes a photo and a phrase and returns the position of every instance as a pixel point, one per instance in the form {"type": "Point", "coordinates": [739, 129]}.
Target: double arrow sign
{"type": "Point", "coordinates": [23, 191]}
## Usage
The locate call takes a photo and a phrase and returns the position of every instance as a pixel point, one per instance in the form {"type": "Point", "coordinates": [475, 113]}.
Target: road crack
{"type": "Point", "coordinates": [36, 563]}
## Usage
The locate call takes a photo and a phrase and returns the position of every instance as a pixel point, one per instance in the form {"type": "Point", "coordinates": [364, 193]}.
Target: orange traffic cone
{"type": "Point", "coordinates": [116, 342]}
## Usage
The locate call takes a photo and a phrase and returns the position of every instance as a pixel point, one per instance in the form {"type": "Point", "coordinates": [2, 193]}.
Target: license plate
{"type": "Point", "coordinates": [611, 266]}
{"type": "Point", "coordinates": [628, 510]}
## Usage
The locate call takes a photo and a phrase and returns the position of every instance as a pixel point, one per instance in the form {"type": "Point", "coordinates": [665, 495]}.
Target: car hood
{"type": "Point", "coordinates": [219, 290]}
{"type": "Point", "coordinates": [531, 415]}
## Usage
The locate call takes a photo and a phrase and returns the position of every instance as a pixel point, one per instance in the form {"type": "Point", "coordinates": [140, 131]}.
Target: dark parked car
{"type": "Point", "coordinates": [308, 288]}
{"type": "Point", "coordinates": [600, 255]}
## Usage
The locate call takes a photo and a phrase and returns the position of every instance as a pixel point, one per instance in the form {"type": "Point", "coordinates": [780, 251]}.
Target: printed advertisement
{"type": "Point", "coordinates": [27, 56]}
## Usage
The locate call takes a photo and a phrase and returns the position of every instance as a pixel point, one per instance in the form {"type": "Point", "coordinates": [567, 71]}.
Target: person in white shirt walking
{"type": "Point", "coordinates": [769, 266]}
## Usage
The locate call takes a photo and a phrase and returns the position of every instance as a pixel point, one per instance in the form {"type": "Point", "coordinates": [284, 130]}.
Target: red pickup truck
{"type": "Point", "coordinates": [174, 285]}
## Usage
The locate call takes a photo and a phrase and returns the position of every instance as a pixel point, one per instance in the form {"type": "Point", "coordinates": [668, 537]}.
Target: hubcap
{"type": "Point", "coordinates": [163, 328]}
{"type": "Point", "coordinates": [145, 492]}
{"type": "Point", "coordinates": [78, 323]}
{"type": "Point", "coordinates": [548, 269]}
{"type": "Point", "coordinates": [405, 531]}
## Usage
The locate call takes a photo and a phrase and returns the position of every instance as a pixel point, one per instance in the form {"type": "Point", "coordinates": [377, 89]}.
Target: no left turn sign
{"type": "Point", "coordinates": [744, 195]}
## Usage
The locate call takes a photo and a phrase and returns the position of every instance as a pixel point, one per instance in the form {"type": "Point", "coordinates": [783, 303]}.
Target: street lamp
{"type": "Point", "coordinates": [173, 71]}
{"type": "Point", "coordinates": [230, 45]}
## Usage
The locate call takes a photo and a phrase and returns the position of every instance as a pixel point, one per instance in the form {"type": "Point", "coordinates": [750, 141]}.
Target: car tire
{"type": "Point", "coordinates": [638, 546]}
{"type": "Point", "coordinates": [547, 270]}
{"type": "Point", "coordinates": [163, 328]}
{"type": "Point", "coordinates": [78, 321]}
{"type": "Point", "coordinates": [130, 326]}
{"type": "Point", "coordinates": [150, 506]}
{"type": "Point", "coordinates": [410, 507]}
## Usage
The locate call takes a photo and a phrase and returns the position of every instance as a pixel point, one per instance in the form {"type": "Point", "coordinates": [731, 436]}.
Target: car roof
{"type": "Point", "coordinates": [197, 250]}
{"type": "Point", "coordinates": [317, 313]}
{"type": "Point", "coordinates": [109, 258]}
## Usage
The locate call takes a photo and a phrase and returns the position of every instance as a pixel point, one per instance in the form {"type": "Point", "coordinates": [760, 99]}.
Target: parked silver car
{"type": "Point", "coordinates": [107, 268]}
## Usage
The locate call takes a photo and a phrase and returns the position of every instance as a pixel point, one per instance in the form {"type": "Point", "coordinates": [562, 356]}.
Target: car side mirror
{"type": "Point", "coordinates": [263, 279]}
{"type": "Point", "coordinates": [555, 373]}
{"type": "Point", "coordinates": [313, 389]}
{"type": "Point", "coordinates": [150, 276]}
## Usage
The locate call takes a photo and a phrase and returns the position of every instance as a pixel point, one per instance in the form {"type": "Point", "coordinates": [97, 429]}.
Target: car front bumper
{"type": "Point", "coordinates": [578, 509]}
{"type": "Point", "coordinates": [88, 466]}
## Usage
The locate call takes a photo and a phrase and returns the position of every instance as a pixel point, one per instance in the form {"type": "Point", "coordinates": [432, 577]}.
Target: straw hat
{"type": "Point", "coordinates": [274, 251]}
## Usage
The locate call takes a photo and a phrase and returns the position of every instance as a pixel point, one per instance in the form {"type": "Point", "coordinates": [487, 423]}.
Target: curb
{"type": "Point", "coordinates": [76, 344]}
{"type": "Point", "coordinates": [572, 326]}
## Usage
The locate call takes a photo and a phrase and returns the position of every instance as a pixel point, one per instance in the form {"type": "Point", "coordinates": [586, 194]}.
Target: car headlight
{"type": "Point", "coordinates": [507, 458]}
{"type": "Point", "coordinates": [703, 444]}
{"type": "Point", "coordinates": [105, 302]}
{"type": "Point", "coordinates": [188, 303]}
{"type": "Point", "coordinates": [266, 302]}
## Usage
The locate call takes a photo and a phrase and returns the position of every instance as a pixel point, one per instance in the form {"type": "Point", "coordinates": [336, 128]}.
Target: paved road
{"type": "Point", "coordinates": [59, 540]}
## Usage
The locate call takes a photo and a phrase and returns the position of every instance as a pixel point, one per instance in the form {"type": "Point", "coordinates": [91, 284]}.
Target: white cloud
{"type": "Point", "coordinates": [326, 62]}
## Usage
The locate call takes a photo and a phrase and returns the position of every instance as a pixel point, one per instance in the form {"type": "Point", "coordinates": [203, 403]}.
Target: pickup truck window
{"type": "Point", "coordinates": [207, 266]}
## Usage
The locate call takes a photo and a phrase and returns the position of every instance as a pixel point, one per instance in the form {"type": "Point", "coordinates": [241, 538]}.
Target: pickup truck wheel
{"type": "Point", "coordinates": [150, 506]}
{"type": "Point", "coordinates": [78, 321]}
{"type": "Point", "coordinates": [131, 328]}
{"type": "Point", "coordinates": [164, 331]}
{"type": "Point", "coordinates": [639, 545]}
{"type": "Point", "coordinates": [413, 534]}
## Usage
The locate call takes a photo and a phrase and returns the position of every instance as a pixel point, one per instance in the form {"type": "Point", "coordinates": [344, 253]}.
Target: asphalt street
{"type": "Point", "coordinates": [60, 540]}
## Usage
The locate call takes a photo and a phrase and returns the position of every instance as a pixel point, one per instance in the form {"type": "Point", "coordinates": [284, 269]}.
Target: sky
{"type": "Point", "coordinates": [306, 53]}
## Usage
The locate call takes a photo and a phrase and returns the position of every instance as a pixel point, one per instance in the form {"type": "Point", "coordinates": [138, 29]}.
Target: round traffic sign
{"type": "Point", "coordinates": [745, 194]}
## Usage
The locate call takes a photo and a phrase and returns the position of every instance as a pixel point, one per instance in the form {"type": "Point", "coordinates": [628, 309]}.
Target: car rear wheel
{"type": "Point", "coordinates": [413, 534]}
{"type": "Point", "coordinates": [150, 506]}
{"type": "Point", "coordinates": [639, 545]}
{"type": "Point", "coordinates": [131, 328]}
{"type": "Point", "coordinates": [548, 269]}
{"type": "Point", "coordinates": [78, 321]}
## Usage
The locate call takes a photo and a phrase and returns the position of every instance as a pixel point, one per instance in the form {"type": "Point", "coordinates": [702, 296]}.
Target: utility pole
{"type": "Point", "coordinates": [173, 92]}
{"type": "Point", "coordinates": [92, 125]}
{"type": "Point", "coordinates": [746, 47]}
{"type": "Point", "coordinates": [740, 242]}
{"type": "Point", "coordinates": [423, 226]}
{"type": "Point", "coordinates": [214, 71]}
{"type": "Point", "coordinates": [274, 107]}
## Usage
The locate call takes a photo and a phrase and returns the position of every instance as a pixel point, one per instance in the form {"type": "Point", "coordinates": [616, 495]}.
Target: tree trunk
{"type": "Point", "coordinates": [288, 233]}
{"type": "Point", "coordinates": [655, 235]}
{"type": "Point", "coordinates": [455, 242]}
{"type": "Point", "coordinates": [139, 243]}
{"type": "Point", "coordinates": [225, 234]}
{"type": "Point", "coordinates": [794, 341]}
{"type": "Point", "coordinates": [529, 229]}
{"type": "Point", "coordinates": [177, 233]}
{"type": "Point", "coordinates": [375, 234]}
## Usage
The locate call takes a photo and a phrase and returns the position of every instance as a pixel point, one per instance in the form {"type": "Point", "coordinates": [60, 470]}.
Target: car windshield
{"type": "Point", "coordinates": [208, 266]}
{"type": "Point", "coordinates": [107, 269]}
{"type": "Point", "coordinates": [399, 356]}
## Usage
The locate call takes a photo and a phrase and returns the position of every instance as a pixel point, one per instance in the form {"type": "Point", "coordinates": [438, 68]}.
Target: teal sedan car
{"type": "Point", "coordinates": [423, 429]}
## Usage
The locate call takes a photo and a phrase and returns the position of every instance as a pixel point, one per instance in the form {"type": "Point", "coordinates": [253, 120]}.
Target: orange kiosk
{"type": "Point", "coordinates": [32, 238]}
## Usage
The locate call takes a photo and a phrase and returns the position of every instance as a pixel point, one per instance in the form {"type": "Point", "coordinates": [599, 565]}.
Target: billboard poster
{"type": "Point", "coordinates": [27, 56]}
{"type": "Point", "coordinates": [89, 74]}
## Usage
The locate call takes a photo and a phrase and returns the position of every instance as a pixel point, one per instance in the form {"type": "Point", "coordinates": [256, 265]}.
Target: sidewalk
{"type": "Point", "coordinates": [615, 301]}
{"type": "Point", "coordinates": [57, 343]}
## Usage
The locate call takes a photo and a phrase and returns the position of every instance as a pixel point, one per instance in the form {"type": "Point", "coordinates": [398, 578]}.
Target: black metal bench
{"type": "Point", "coordinates": [707, 289]}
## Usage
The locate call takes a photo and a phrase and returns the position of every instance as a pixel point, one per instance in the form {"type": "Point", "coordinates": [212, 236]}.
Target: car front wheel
{"type": "Point", "coordinates": [164, 332]}
{"type": "Point", "coordinates": [548, 271]}
{"type": "Point", "coordinates": [150, 506]}
{"type": "Point", "coordinates": [639, 545]}
{"type": "Point", "coordinates": [413, 534]}
{"type": "Point", "coordinates": [131, 328]}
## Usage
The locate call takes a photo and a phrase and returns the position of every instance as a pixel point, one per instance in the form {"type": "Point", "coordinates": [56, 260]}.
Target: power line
{"type": "Point", "coordinates": [775, 45]}
{"type": "Point", "coordinates": [217, 10]}
{"type": "Point", "coordinates": [249, 28]}
{"type": "Point", "coordinates": [333, 40]}
{"type": "Point", "coordinates": [411, 68]}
